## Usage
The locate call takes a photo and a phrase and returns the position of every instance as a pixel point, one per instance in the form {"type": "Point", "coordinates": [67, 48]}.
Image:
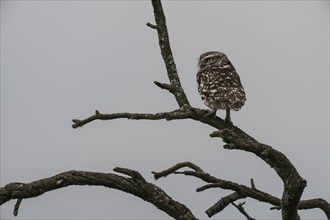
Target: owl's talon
{"type": "Point", "coordinates": [227, 119]}
{"type": "Point", "coordinates": [185, 108]}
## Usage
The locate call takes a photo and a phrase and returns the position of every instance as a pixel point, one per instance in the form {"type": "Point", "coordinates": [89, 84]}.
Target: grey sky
{"type": "Point", "coordinates": [64, 59]}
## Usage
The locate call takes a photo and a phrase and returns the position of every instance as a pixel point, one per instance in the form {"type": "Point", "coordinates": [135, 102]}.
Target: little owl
{"type": "Point", "coordinates": [219, 84]}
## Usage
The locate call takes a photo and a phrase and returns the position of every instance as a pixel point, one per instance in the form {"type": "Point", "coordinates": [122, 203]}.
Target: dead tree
{"type": "Point", "coordinates": [132, 182]}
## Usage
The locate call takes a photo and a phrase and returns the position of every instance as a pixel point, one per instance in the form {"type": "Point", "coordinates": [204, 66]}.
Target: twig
{"type": "Point", "coordinates": [168, 87]}
{"type": "Point", "coordinates": [252, 184]}
{"type": "Point", "coordinates": [132, 173]}
{"type": "Point", "coordinates": [242, 210]}
{"type": "Point", "coordinates": [174, 168]}
{"type": "Point", "coordinates": [173, 115]}
{"type": "Point", "coordinates": [16, 207]}
{"type": "Point", "coordinates": [223, 203]}
{"type": "Point", "coordinates": [276, 208]}
{"type": "Point", "coordinates": [152, 26]}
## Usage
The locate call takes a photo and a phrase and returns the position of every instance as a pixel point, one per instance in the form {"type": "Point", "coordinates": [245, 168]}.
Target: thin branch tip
{"type": "Point", "coordinates": [242, 210]}
{"type": "Point", "coordinates": [76, 121]}
{"type": "Point", "coordinates": [275, 208]}
{"type": "Point", "coordinates": [165, 86]}
{"type": "Point", "coordinates": [252, 184]}
{"type": "Point", "coordinates": [16, 207]}
{"type": "Point", "coordinates": [131, 173]}
{"type": "Point", "coordinates": [151, 25]}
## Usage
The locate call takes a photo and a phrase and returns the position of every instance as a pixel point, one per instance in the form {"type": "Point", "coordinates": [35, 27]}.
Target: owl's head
{"type": "Point", "coordinates": [212, 58]}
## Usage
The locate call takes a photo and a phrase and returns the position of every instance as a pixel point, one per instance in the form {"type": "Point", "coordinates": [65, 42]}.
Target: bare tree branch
{"type": "Point", "coordinates": [16, 207]}
{"type": "Point", "coordinates": [223, 203]}
{"type": "Point", "coordinates": [241, 191]}
{"type": "Point", "coordinates": [294, 184]}
{"type": "Point", "coordinates": [217, 183]}
{"type": "Point", "coordinates": [174, 168]}
{"type": "Point", "coordinates": [252, 184]}
{"type": "Point", "coordinates": [152, 26]}
{"type": "Point", "coordinates": [315, 203]}
{"type": "Point", "coordinates": [166, 86]}
{"type": "Point", "coordinates": [173, 115]}
{"type": "Point", "coordinates": [242, 210]}
{"type": "Point", "coordinates": [134, 184]}
{"type": "Point", "coordinates": [166, 51]}
{"type": "Point", "coordinates": [312, 204]}
{"type": "Point", "coordinates": [182, 113]}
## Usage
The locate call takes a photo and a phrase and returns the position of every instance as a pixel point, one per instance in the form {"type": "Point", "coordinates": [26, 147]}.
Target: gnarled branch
{"type": "Point", "coordinates": [240, 191]}
{"type": "Point", "coordinates": [134, 184]}
{"type": "Point", "coordinates": [294, 184]}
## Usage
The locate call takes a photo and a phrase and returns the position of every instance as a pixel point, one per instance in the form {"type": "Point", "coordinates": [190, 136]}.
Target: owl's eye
{"type": "Point", "coordinates": [209, 59]}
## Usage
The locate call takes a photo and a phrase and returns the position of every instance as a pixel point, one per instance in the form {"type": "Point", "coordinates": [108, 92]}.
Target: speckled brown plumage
{"type": "Point", "coordinates": [219, 84]}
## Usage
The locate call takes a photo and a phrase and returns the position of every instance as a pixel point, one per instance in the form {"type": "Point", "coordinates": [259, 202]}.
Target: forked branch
{"type": "Point", "coordinates": [134, 184]}
{"type": "Point", "coordinates": [240, 191]}
{"type": "Point", "coordinates": [242, 210]}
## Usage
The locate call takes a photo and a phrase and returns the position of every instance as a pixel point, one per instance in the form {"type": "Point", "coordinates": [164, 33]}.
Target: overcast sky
{"type": "Point", "coordinates": [64, 59]}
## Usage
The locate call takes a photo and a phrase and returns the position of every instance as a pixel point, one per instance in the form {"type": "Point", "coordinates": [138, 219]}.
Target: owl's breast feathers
{"type": "Point", "coordinates": [221, 88]}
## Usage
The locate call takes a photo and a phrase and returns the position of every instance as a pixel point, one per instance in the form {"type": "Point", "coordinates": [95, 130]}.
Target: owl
{"type": "Point", "coordinates": [219, 84]}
